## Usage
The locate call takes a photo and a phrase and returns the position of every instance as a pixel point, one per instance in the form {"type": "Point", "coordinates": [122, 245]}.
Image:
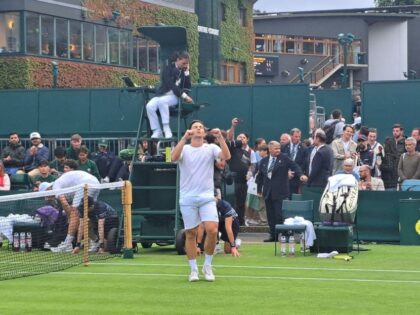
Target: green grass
{"type": "Point", "coordinates": [384, 280]}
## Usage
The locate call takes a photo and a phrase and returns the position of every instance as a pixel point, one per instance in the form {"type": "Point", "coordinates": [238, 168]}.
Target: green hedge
{"type": "Point", "coordinates": [35, 72]}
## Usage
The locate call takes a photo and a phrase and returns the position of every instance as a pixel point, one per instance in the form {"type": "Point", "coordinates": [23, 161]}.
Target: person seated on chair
{"type": "Point", "coordinates": [98, 212]}
{"type": "Point", "coordinates": [36, 153]}
{"type": "Point", "coordinates": [57, 165]}
{"type": "Point", "coordinates": [348, 168]}
{"type": "Point", "coordinates": [44, 175]}
{"type": "Point", "coordinates": [4, 178]}
{"type": "Point", "coordinates": [229, 227]}
{"type": "Point", "coordinates": [84, 164]}
{"type": "Point", "coordinates": [13, 154]}
{"type": "Point", "coordinates": [367, 182]}
{"type": "Point", "coordinates": [104, 160]}
{"type": "Point", "coordinates": [175, 77]}
{"type": "Point", "coordinates": [72, 152]}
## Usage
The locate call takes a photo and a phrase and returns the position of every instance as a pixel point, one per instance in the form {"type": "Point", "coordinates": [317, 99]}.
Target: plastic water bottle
{"type": "Point", "coordinates": [302, 245]}
{"type": "Point", "coordinates": [283, 245]}
{"type": "Point", "coordinates": [291, 245]}
{"type": "Point", "coordinates": [28, 241]}
{"type": "Point", "coordinates": [22, 240]}
{"type": "Point", "coordinates": [16, 245]}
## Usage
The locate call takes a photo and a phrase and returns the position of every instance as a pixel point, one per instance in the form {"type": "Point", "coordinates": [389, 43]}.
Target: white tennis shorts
{"type": "Point", "coordinates": [195, 210]}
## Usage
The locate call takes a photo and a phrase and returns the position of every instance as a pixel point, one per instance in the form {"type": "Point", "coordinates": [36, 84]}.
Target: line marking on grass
{"type": "Point", "coordinates": [262, 267]}
{"type": "Point", "coordinates": [70, 273]}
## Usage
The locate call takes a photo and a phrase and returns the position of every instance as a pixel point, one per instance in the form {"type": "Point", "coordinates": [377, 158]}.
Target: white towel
{"type": "Point", "coordinates": [310, 231]}
{"type": "Point", "coordinates": [339, 180]}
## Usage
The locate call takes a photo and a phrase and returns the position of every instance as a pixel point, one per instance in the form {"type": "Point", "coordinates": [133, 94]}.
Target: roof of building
{"type": "Point", "coordinates": [371, 15]}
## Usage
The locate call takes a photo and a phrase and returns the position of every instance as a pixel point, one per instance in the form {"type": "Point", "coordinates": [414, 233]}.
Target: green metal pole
{"type": "Point", "coordinates": [344, 78]}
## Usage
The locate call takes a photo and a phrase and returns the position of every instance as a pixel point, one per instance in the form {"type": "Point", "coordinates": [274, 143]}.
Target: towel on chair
{"type": "Point", "coordinates": [310, 231]}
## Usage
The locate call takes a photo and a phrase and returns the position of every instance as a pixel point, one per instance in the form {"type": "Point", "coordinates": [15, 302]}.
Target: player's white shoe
{"type": "Point", "coordinates": [208, 273]}
{"type": "Point", "coordinates": [193, 276]}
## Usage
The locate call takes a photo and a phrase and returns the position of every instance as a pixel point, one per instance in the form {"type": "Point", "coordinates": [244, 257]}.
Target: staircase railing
{"type": "Point", "coordinates": [319, 74]}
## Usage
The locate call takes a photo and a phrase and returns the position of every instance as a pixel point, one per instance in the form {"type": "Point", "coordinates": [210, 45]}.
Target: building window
{"type": "Point", "coordinates": [47, 36]}
{"type": "Point", "coordinates": [32, 33]}
{"type": "Point", "coordinates": [88, 42]}
{"type": "Point", "coordinates": [299, 45]}
{"type": "Point", "coordinates": [153, 57]}
{"type": "Point", "coordinates": [100, 44]}
{"type": "Point", "coordinates": [125, 48]}
{"type": "Point", "coordinates": [71, 39]}
{"type": "Point", "coordinates": [147, 55]}
{"type": "Point", "coordinates": [113, 40]}
{"type": "Point", "coordinates": [9, 32]}
{"type": "Point", "coordinates": [62, 39]}
{"type": "Point", "coordinates": [242, 17]}
{"type": "Point", "coordinates": [232, 72]}
{"type": "Point", "coordinates": [75, 40]}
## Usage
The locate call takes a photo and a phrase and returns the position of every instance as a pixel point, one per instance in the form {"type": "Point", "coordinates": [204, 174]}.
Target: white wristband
{"type": "Point", "coordinates": [187, 73]}
{"type": "Point", "coordinates": [184, 95]}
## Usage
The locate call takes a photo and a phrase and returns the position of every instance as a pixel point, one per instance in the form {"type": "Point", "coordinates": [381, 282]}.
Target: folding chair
{"type": "Point", "coordinates": [293, 208]}
{"type": "Point", "coordinates": [297, 197]}
{"type": "Point", "coordinates": [20, 182]}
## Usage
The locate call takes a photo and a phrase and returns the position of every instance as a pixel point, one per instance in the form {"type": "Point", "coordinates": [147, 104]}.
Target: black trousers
{"type": "Point", "coordinates": [274, 213]}
{"type": "Point", "coordinates": [294, 185]}
{"type": "Point", "coordinates": [241, 189]}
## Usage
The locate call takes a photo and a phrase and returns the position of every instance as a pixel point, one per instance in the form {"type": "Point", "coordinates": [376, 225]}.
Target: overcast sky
{"type": "Point", "coordinates": [308, 5]}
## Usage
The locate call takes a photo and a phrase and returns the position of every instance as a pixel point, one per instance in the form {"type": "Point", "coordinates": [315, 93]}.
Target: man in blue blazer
{"type": "Point", "coordinates": [273, 183]}
{"type": "Point", "coordinates": [297, 152]}
{"type": "Point", "coordinates": [319, 161]}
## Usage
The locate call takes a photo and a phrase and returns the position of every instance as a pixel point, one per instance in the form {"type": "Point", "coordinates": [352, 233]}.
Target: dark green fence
{"type": "Point", "coordinates": [388, 102]}
{"type": "Point", "coordinates": [60, 112]}
{"type": "Point", "coordinates": [335, 99]}
{"type": "Point", "coordinates": [265, 111]}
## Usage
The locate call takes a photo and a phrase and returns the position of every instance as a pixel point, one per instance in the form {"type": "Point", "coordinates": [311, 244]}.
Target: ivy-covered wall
{"type": "Point", "coordinates": [235, 39]}
{"type": "Point", "coordinates": [33, 72]}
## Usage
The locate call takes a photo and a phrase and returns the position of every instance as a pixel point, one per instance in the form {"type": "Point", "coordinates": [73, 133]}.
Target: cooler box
{"type": "Point", "coordinates": [330, 238]}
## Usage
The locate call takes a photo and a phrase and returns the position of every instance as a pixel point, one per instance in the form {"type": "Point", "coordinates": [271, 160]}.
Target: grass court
{"type": "Point", "coordinates": [383, 280]}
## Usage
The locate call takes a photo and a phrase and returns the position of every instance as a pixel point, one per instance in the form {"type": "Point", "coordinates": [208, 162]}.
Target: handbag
{"type": "Point", "coordinates": [252, 186]}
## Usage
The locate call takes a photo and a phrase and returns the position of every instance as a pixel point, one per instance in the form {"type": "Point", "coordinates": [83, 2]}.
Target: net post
{"type": "Point", "coordinates": [127, 200]}
{"type": "Point", "coordinates": [85, 227]}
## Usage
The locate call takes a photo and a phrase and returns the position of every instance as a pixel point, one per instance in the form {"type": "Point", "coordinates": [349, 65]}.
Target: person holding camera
{"type": "Point", "coordinates": [365, 154]}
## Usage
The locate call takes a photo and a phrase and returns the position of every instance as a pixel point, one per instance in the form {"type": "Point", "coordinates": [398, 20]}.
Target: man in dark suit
{"type": "Point", "coordinates": [297, 152]}
{"type": "Point", "coordinates": [273, 183]}
{"type": "Point", "coordinates": [319, 161]}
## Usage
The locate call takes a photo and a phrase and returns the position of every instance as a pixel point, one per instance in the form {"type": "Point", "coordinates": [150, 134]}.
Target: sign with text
{"type": "Point", "coordinates": [266, 66]}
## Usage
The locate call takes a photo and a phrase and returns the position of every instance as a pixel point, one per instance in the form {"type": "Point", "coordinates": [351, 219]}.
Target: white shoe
{"type": "Point", "coordinates": [252, 222]}
{"type": "Point", "coordinates": [157, 133]}
{"type": "Point", "coordinates": [193, 277]}
{"type": "Point", "coordinates": [168, 134]}
{"type": "Point", "coordinates": [93, 246]}
{"type": "Point", "coordinates": [238, 243]}
{"type": "Point", "coordinates": [62, 248]}
{"type": "Point", "coordinates": [218, 249]}
{"type": "Point", "coordinates": [208, 273]}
